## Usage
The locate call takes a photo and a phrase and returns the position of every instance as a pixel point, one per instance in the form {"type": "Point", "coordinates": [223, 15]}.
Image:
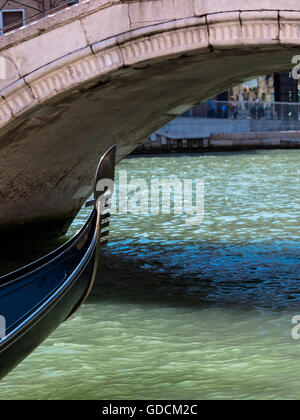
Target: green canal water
{"type": "Point", "coordinates": [187, 312]}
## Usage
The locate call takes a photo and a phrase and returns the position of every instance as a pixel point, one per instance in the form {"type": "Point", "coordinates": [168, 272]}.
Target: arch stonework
{"type": "Point", "coordinates": [105, 72]}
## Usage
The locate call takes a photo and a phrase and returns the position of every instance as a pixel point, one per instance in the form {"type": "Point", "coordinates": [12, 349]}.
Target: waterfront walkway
{"type": "Point", "coordinates": [243, 125]}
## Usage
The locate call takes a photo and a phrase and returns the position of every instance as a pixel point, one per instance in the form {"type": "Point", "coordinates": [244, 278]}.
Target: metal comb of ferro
{"type": "Point", "coordinates": [105, 174]}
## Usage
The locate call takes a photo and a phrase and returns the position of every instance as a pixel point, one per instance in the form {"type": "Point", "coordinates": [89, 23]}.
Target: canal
{"type": "Point", "coordinates": [187, 312]}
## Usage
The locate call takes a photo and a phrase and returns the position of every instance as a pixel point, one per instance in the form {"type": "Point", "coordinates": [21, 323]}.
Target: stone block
{"type": "Point", "coordinates": [260, 28]}
{"type": "Point", "coordinates": [39, 51]}
{"type": "Point", "coordinates": [289, 27]}
{"type": "Point", "coordinates": [203, 7]}
{"type": "Point", "coordinates": [224, 29]}
{"type": "Point", "coordinates": [156, 11]}
{"type": "Point", "coordinates": [106, 23]}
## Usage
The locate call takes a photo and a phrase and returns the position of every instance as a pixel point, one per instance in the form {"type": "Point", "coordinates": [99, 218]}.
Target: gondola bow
{"type": "Point", "coordinates": [37, 298]}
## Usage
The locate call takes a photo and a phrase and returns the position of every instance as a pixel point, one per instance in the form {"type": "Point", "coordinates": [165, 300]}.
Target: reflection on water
{"type": "Point", "coordinates": [182, 311]}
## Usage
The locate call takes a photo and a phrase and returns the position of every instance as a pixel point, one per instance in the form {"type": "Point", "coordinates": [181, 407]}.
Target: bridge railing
{"type": "Point", "coordinates": [40, 10]}
{"type": "Point", "coordinates": [247, 110]}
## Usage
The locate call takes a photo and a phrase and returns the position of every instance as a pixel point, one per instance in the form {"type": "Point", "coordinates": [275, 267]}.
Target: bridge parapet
{"type": "Point", "coordinates": [101, 36]}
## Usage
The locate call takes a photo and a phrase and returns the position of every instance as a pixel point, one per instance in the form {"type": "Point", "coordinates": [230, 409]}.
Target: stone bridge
{"type": "Point", "coordinates": [104, 72]}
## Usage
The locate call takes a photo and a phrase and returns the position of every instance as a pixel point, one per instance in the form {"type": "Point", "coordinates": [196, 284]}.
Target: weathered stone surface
{"type": "Point", "coordinates": [106, 23]}
{"type": "Point", "coordinates": [5, 113]}
{"type": "Point", "coordinates": [8, 71]}
{"type": "Point", "coordinates": [290, 28]}
{"type": "Point", "coordinates": [259, 28]}
{"type": "Point", "coordinates": [47, 47]}
{"type": "Point", "coordinates": [224, 29]}
{"type": "Point", "coordinates": [203, 7]}
{"type": "Point", "coordinates": [18, 96]}
{"type": "Point", "coordinates": [74, 69]}
{"type": "Point", "coordinates": [157, 11]}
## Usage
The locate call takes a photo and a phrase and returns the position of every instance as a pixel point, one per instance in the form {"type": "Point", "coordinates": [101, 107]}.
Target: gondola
{"type": "Point", "coordinates": [36, 299]}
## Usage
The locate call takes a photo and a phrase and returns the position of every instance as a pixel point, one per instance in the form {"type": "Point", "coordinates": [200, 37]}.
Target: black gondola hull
{"type": "Point", "coordinates": [26, 340]}
{"type": "Point", "coordinates": [36, 299]}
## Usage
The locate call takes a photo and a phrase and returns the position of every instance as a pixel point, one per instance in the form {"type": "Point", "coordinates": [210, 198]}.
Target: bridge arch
{"type": "Point", "coordinates": [105, 72]}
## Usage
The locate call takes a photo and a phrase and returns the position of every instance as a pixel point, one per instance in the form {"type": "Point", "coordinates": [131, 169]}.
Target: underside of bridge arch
{"type": "Point", "coordinates": [58, 115]}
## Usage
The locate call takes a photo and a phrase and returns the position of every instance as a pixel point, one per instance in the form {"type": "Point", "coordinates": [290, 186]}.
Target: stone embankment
{"type": "Point", "coordinates": [221, 142]}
